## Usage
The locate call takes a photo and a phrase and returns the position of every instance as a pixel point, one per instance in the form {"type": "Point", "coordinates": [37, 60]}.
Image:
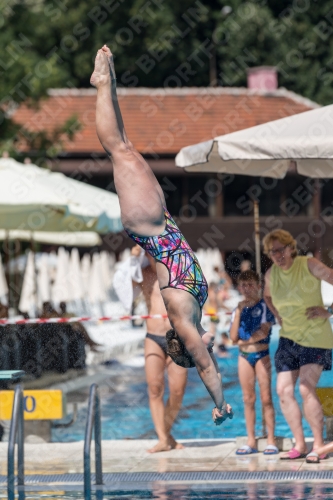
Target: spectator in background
{"type": "Point", "coordinates": [48, 311]}
{"type": "Point", "coordinates": [211, 307]}
{"type": "Point", "coordinates": [157, 361]}
{"type": "Point", "coordinates": [24, 314]}
{"type": "Point", "coordinates": [251, 326]}
{"type": "Point", "coordinates": [224, 284]}
{"type": "Point", "coordinates": [79, 328]}
{"type": "Point", "coordinates": [222, 349]}
{"type": "Point", "coordinates": [293, 293]}
{"type": "Point", "coordinates": [3, 311]}
{"type": "Point", "coordinates": [245, 265]}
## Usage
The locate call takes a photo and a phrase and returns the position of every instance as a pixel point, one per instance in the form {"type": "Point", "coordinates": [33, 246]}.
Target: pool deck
{"type": "Point", "coordinates": [130, 456]}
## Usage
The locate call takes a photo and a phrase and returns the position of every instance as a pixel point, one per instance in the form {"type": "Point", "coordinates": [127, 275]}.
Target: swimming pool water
{"type": "Point", "coordinates": [249, 491]}
{"type": "Point", "coordinates": [126, 415]}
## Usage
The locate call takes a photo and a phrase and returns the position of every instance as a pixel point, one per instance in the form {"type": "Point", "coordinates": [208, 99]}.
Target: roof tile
{"type": "Point", "coordinates": [162, 121]}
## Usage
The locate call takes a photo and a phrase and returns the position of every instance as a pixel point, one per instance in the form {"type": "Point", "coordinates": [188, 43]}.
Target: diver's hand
{"type": "Point", "coordinates": [208, 340]}
{"type": "Point", "coordinates": [219, 416]}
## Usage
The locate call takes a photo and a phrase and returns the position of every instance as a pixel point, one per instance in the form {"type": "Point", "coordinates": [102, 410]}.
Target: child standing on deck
{"type": "Point", "coordinates": [251, 325]}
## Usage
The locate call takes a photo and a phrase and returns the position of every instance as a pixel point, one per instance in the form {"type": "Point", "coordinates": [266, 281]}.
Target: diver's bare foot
{"type": "Point", "coordinates": [109, 55]}
{"type": "Point", "coordinates": [160, 446]}
{"type": "Point", "coordinates": [174, 445]}
{"type": "Point", "coordinates": [101, 74]}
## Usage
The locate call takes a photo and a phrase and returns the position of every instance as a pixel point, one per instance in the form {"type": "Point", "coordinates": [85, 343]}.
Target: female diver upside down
{"type": "Point", "coordinates": [147, 221]}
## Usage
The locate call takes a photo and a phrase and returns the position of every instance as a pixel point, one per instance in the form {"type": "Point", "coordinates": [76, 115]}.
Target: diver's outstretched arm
{"type": "Point", "coordinates": [206, 366]}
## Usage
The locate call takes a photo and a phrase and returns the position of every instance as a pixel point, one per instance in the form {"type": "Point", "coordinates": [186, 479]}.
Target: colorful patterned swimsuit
{"type": "Point", "coordinates": [171, 249]}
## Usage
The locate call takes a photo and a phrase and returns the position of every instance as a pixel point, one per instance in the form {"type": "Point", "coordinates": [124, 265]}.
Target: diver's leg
{"type": "Point", "coordinates": [140, 196]}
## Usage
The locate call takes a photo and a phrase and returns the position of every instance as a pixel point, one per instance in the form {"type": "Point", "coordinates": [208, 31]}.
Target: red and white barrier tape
{"type": "Point", "coordinates": [8, 321]}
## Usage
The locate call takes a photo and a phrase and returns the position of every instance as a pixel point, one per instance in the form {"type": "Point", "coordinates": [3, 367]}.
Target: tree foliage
{"type": "Point", "coordinates": [52, 43]}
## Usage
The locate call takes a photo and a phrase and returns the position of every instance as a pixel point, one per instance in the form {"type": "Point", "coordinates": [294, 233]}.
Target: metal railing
{"type": "Point", "coordinates": [16, 433]}
{"type": "Point", "coordinates": [93, 422]}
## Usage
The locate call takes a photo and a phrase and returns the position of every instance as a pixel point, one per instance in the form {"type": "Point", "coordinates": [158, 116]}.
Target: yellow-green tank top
{"type": "Point", "coordinates": [292, 292]}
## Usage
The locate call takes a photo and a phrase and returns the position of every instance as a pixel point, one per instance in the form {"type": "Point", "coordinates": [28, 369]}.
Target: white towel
{"type": "Point", "coordinates": [128, 271]}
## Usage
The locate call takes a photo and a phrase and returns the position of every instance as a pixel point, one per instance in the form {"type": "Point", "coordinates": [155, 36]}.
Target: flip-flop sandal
{"type": "Point", "coordinates": [317, 457]}
{"type": "Point", "coordinates": [314, 455]}
{"type": "Point", "coordinates": [246, 450]}
{"type": "Point", "coordinates": [293, 454]}
{"type": "Point", "coordinates": [271, 449]}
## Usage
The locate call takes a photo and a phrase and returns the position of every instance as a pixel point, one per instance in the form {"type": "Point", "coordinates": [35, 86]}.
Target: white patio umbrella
{"type": "Point", "coordinates": [67, 238]}
{"type": "Point", "coordinates": [43, 282]}
{"type": "Point", "coordinates": [267, 150]}
{"type": "Point", "coordinates": [33, 198]}
{"type": "Point", "coordinates": [28, 293]}
{"type": "Point", "coordinates": [3, 285]}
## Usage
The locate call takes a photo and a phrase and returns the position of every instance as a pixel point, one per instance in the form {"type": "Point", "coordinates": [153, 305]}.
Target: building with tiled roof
{"type": "Point", "coordinates": [161, 121]}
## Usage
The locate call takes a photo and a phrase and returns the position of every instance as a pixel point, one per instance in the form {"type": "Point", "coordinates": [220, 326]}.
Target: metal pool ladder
{"type": "Point", "coordinates": [93, 421]}
{"type": "Point", "coordinates": [16, 433]}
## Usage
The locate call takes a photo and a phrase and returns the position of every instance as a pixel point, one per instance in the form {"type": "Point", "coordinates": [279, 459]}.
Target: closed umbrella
{"type": "Point", "coordinates": [97, 291]}
{"type": "Point", "coordinates": [125, 255]}
{"type": "Point", "coordinates": [35, 199]}
{"type": "Point", "coordinates": [206, 266]}
{"type": "Point", "coordinates": [85, 276]}
{"type": "Point", "coordinates": [75, 282]}
{"type": "Point", "coordinates": [303, 141]}
{"type": "Point", "coordinates": [75, 278]}
{"type": "Point", "coordinates": [85, 273]}
{"type": "Point", "coordinates": [217, 258]}
{"type": "Point", "coordinates": [105, 264]}
{"type": "Point", "coordinates": [43, 282]}
{"type": "Point", "coordinates": [27, 302]}
{"type": "Point", "coordinates": [3, 285]}
{"type": "Point", "coordinates": [60, 289]}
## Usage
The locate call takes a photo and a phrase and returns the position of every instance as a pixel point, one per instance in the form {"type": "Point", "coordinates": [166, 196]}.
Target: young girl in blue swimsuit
{"type": "Point", "coordinates": [147, 221]}
{"type": "Point", "coordinates": [251, 325]}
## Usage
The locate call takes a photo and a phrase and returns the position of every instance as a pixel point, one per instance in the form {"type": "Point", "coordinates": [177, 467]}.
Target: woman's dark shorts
{"type": "Point", "coordinates": [291, 356]}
